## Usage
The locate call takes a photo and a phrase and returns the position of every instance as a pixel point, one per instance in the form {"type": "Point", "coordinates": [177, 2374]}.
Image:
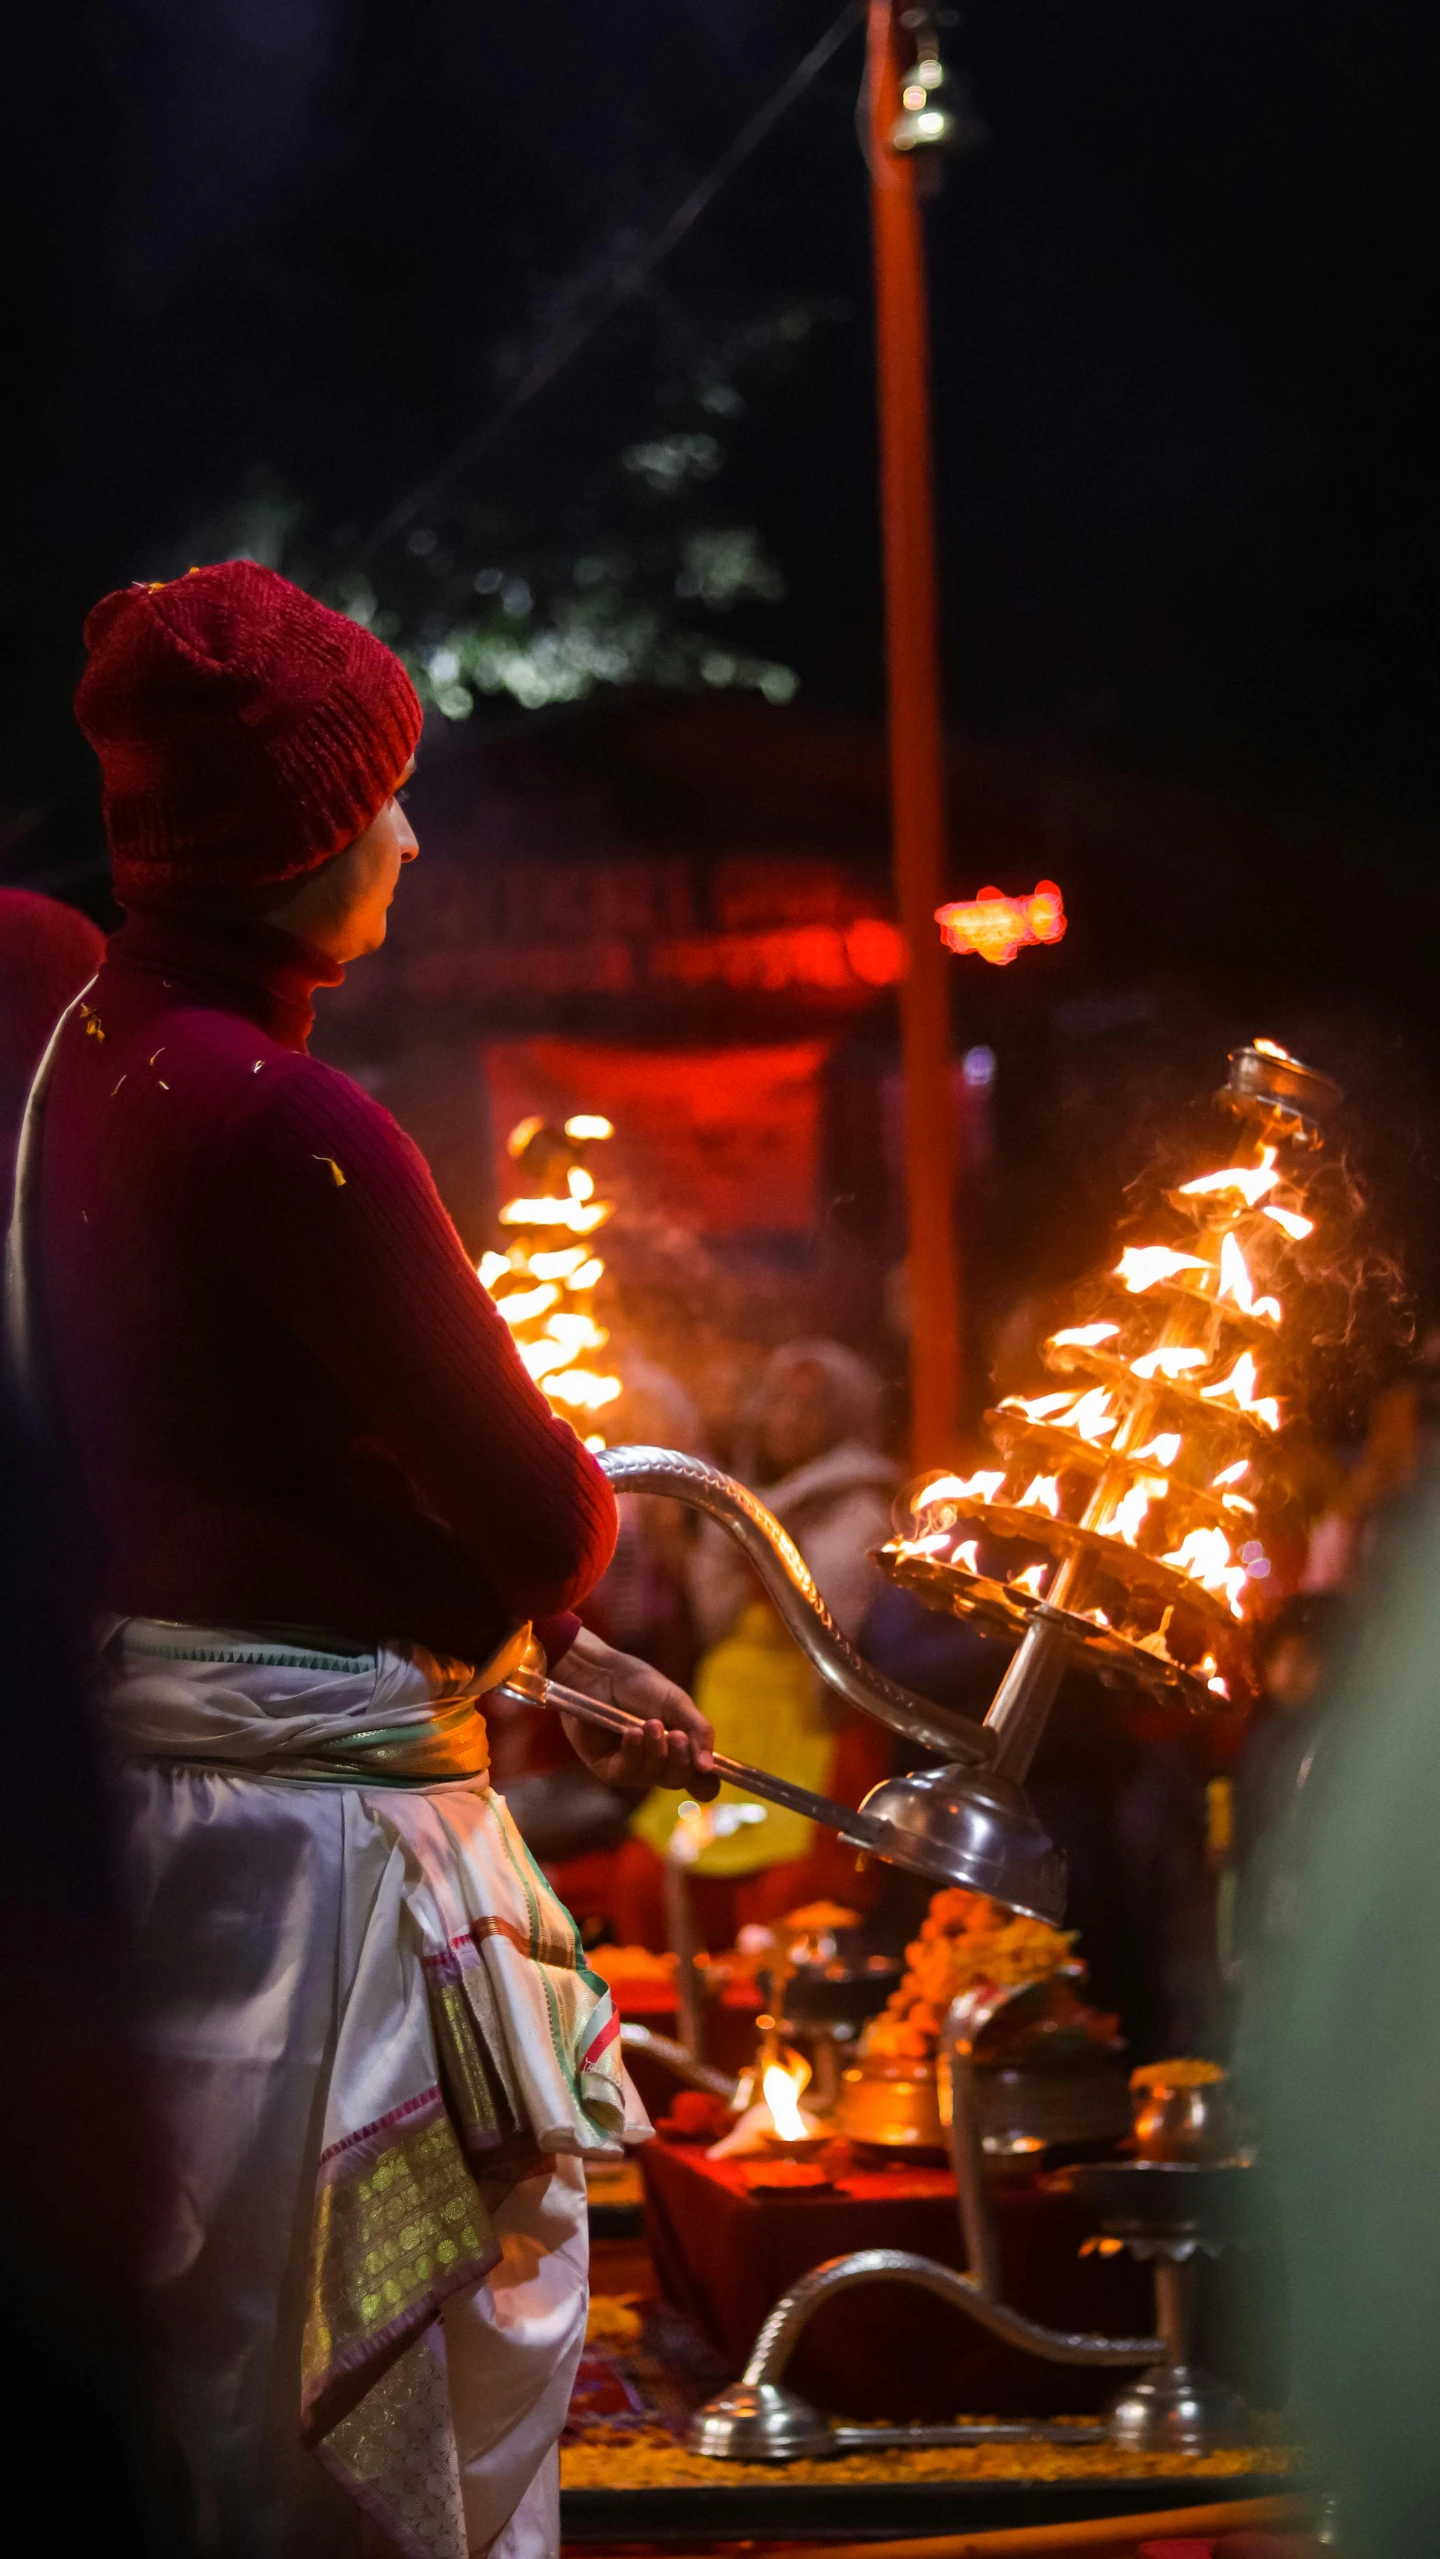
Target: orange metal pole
{"type": "Point", "coordinates": [917, 788]}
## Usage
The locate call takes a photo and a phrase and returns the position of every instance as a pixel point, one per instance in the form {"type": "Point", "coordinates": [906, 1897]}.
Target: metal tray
{"type": "Point", "coordinates": [1214, 2202]}
{"type": "Point", "coordinates": [869, 2510]}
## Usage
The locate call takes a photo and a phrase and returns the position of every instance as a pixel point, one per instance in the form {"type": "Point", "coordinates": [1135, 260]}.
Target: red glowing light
{"type": "Point", "coordinates": [875, 951]}
{"type": "Point", "coordinates": [998, 926]}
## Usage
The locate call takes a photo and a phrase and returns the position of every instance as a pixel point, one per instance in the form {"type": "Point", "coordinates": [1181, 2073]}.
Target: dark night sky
{"type": "Point", "coordinates": [268, 262]}
{"type": "Point", "coordinates": [289, 248]}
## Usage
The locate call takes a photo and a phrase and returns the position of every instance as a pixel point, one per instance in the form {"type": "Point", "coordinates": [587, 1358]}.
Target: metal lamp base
{"type": "Point", "coordinates": [973, 1828]}
{"type": "Point", "coordinates": [760, 2421]}
{"type": "Point", "coordinates": [1177, 2408]}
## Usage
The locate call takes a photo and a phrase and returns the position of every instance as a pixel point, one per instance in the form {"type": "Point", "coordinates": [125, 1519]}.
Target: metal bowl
{"type": "Point", "coordinates": [1021, 2106]}
{"type": "Point", "coordinates": [1211, 2203]}
{"type": "Point", "coordinates": [1028, 2104]}
{"type": "Point", "coordinates": [1269, 1083]}
{"type": "Point", "coordinates": [848, 1989]}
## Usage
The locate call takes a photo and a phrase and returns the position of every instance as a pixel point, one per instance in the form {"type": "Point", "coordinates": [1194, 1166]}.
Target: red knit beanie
{"type": "Point", "coordinates": [244, 731]}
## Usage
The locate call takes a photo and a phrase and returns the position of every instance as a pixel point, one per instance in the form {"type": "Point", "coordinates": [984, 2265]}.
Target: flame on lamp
{"type": "Point", "coordinates": [1239, 1389]}
{"type": "Point", "coordinates": [1235, 1281]}
{"type": "Point", "coordinates": [956, 1488]}
{"type": "Point", "coordinates": [1039, 1408]}
{"type": "Point", "coordinates": [1167, 1362]}
{"type": "Point", "coordinates": [782, 2089]}
{"type": "Point", "coordinates": [1249, 1182]}
{"type": "Point", "coordinates": [1141, 1265]}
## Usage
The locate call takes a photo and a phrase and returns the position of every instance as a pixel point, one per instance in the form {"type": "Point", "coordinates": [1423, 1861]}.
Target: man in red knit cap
{"type": "Point", "coordinates": [325, 1496]}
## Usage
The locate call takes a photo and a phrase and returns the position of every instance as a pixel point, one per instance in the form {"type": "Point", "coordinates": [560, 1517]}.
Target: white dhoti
{"type": "Point", "coordinates": [382, 2061]}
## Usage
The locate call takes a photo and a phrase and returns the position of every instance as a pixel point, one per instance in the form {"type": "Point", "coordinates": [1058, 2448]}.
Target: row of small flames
{"type": "Point", "coordinates": [547, 1301]}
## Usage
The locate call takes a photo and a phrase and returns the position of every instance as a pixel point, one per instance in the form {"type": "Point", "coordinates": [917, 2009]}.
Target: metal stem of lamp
{"type": "Point", "coordinates": [966, 1822]}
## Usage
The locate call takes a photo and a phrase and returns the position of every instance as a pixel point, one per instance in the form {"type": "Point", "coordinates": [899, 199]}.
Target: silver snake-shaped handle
{"type": "Point", "coordinates": [789, 1583]}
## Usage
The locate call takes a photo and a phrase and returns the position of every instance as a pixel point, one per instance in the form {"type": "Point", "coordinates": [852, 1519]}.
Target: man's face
{"type": "Point", "coordinates": [344, 907]}
{"type": "Point", "coordinates": [374, 862]}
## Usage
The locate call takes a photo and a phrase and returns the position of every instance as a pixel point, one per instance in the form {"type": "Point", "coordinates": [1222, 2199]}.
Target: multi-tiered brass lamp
{"type": "Point", "coordinates": [1122, 1522]}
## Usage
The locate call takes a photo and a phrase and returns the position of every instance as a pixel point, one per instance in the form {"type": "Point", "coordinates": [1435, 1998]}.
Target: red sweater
{"type": "Point", "coordinates": [290, 1401]}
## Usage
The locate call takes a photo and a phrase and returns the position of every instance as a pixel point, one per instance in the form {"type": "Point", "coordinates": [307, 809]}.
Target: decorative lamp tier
{"type": "Point", "coordinates": [1126, 1509]}
{"type": "Point", "coordinates": [544, 1282]}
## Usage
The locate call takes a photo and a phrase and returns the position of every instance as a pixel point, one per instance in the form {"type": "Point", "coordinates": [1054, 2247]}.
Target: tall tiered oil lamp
{"type": "Point", "coordinates": [1120, 1530]}
{"type": "Point", "coordinates": [1124, 1517]}
{"type": "Point", "coordinates": [1119, 1527]}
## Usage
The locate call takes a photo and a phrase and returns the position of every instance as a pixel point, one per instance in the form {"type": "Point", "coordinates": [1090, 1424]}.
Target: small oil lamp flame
{"type": "Point", "coordinates": [1168, 1361]}
{"type": "Point", "coordinates": [955, 1488]}
{"type": "Point", "coordinates": [775, 2117]}
{"type": "Point", "coordinates": [782, 2090]}
{"type": "Point", "coordinates": [1092, 1417]}
{"type": "Point", "coordinates": [1128, 1517]}
{"type": "Point", "coordinates": [1236, 1283]}
{"type": "Point", "coordinates": [1039, 1408]}
{"type": "Point", "coordinates": [1248, 1182]}
{"type": "Point", "coordinates": [1205, 1556]}
{"type": "Point", "coordinates": [1143, 1266]}
{"type": "Point", "coordinates": [1239, 1389]}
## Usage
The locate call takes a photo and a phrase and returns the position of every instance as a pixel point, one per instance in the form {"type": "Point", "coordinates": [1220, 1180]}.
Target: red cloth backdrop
{"type": "Point", "coordinates": [717, 1139]}
{"type": "Point", "coordinates": [889, 2351]}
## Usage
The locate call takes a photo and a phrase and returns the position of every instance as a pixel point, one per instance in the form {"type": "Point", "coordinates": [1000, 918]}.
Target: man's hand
{"type": "Point", "coordinates": [675, 1748]}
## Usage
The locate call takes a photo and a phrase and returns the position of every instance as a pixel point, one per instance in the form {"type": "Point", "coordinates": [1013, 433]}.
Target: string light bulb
{"type": "Point", "coordinates": [937, 116]}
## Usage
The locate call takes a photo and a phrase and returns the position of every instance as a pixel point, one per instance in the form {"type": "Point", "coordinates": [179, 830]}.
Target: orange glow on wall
{"type": "Point", "coordinates": [998, 926]}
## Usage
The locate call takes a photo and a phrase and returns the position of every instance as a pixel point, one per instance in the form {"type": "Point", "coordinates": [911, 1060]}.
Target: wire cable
{"type": "Point", "coordinates": [622, 286]}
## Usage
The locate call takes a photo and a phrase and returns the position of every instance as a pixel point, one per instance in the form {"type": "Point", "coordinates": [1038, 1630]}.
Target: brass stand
{"type": "Point", "coordinates": [1167, 2215]}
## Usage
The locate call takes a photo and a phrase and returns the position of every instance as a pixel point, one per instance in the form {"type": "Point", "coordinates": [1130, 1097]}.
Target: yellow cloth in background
{"type": "Point", "coordinates": [763, 1699]}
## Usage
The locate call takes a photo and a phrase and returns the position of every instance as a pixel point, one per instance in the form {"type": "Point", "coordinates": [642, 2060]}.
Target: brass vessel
{"type": "Point", "coordinates": [895, 2104]}
{"type": "Point", "coordinates": [1020, 2106]}
{"type": "Point", "coordinates": [1182, 2111]}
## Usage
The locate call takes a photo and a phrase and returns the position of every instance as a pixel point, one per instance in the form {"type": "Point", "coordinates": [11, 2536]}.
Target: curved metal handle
{"type": "Point", "coordinates": [635, 2038]}
{"type": "Point", "coordinates": [792, 2314]}
{"type": "Point", "coordinates": [789, 1583]}
{"type": "Point", "coordinates": [859, 1829]}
